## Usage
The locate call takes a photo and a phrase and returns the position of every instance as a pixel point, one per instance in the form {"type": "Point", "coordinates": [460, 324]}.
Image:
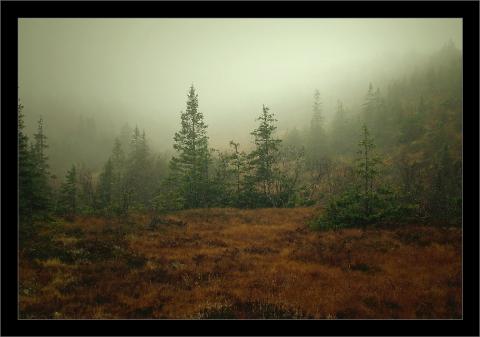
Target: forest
{"type": "Point", "coordinates": [372, 195]}
{"type": "Point", "coordinates": [395, 159]}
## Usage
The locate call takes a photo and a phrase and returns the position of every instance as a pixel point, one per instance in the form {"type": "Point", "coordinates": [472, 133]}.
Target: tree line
{"type": "Point", "coordinates": [398, 157]}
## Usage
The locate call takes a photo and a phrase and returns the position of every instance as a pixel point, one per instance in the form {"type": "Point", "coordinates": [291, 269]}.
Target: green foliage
{"type": "Point", "coordinates": [67, 203]}
{"type": "Point", "coordinates": [344, 211]}
{"type": "Point", "coordinates": [413, 125]}
{"type": "Point", "coordinates": [416, 123]}
{"type": "Point", "coordinates": [119, 191]}
{"type": "Point", "coordinates": [41, 192]}
{"type": "Point", "coordinates": [317, 146]}
{"type": "Point", "coordinates": [128, 181]}
{"type": "Point", "coordinates": [348, 211]}
{"type": "Point", "coordinates": [191, 164]}
{"type": "Point", "coordinates": [137, 187]}
{"type": "Point", "coordinates": [35, 200]}
{"type": "Point", "coordinates": [263, 157]}
{"type": "Point", "coordinates": [445, 199]}
{"type": "Point", "coordinates": [365, 202]}
{"type": "Point", "coordinates": [367, 171]}
{"type": "Point", "coordinates": [220, 188]}
{"type": "Point", "coordinates": [87, 202]}
{"type": "Point", "coordinates": [171, 196]}
{"type": "Point", "coordinates": [25, 169]}
{"type": "Point", "coordinates": [238, 161]}
{"type": "Point", "coordinates": [304, 196]}
{"type": "Point", "coordinates": [341, 134]}
{"type": "Point", "coordinates": [250, 196]}
{"type": "Point", "coordinates": [105, 187]}
{"type": "Point", "coordinates": [290, 164]}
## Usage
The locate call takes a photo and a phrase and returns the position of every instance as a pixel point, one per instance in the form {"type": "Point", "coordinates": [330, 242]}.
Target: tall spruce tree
{"type": "Point", "coordinates": [146, 180]}
{"type": "Point", "coordinates": [445, 197]}
{"type": "Point", "coordinates": [340, 133]}
{"type": "Point", "coordinates": [375, 117]}
{"type": "Point", "coordinates": [365, 201]}
{"type": "Point", "coordinates": [133, 176]}
{"type": "Point", "coordinates": [221, 183]}
{"type": "Point", "coordinates": [369, 107]}
{"type": "Point", "coordinates": [105, 186]}
{"type": "Point", "coordinates": [317, 147]}
{"type": "Point", "coordinates": [237, 159]}
{"type": "Point", "coordinates": [26, 170]}
{"type": "Point", "coordinates": [190, 166]}
{"type": "Point", "coordinates": [87, 202]}
{"type": "Point", "coordinates": [118, 169]}
{"type": "Point", "coordinates": [138, 170]}
{"type": "Point", "coordinates": [317, 118]}
{"type": "Point", "coordinates": [263, 158]}
{"type": "Point", "coordinates": [67, 204]}
{"type": "Point", "coordinates": [367, 169]}
{"type": "Point", "coordinates": [41, 192]}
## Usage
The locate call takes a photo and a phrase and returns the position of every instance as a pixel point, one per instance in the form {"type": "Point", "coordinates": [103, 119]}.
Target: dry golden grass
{"type": "Point", "coordinates": [230, 263]}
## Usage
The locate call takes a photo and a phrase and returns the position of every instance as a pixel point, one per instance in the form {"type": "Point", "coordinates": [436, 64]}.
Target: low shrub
{"type": "Point", "coordinates": [349, 210]}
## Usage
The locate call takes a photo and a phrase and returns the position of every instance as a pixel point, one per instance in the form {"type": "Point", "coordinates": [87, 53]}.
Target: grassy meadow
{"type": "Point", "coordinates": [230, 263]}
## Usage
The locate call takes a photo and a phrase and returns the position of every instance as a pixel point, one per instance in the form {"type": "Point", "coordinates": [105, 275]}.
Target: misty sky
{"type": "Point", "coordinates": [139, 70]}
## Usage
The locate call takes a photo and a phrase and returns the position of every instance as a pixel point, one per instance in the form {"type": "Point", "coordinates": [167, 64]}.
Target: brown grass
{"type": "Point", "coordinates": [229, 263]}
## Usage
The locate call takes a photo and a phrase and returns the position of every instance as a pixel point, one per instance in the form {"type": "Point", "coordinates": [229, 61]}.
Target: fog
{"type": "Point", "coordinates": [139, 70]}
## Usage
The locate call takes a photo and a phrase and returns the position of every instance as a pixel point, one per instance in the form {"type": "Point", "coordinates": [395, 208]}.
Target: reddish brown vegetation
{"type": "Point", "coordinates": [228, 263]}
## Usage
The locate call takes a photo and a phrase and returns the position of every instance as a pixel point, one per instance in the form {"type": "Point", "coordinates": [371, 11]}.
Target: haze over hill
{"type": "Point", "coordinates": [119, 71]}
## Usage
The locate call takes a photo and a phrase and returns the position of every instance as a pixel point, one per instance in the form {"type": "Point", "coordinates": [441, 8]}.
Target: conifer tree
{"type": "Point", "coordinates": [68, 194]}
{"type": "Point", "coordinates": [118, 155]}
{"type": "Point", "coordinates": [117, 159]}
{"type": "Point", "coordinates": [41, 146]}
{"type": "Point", "coordinates": [317, 147]}
{"type": "Point", "coordinates": [264, 156]}
{"type": "Point", "coordinates": [340, 134]}
{"type": "Point", "coordinates": [369, 106]}
{"type": "Point", "coordinates": [445, 198]}
{"type": "Point", "coordinates": [220, 186]}
{"type": "Point", "coordinates": [317, 118]}
{"type": "Point", "coordinates": [412, 126]}
{"type": "Point", "coordinates": [293, 138]}
{"type": "Point", "coordinates": [106, 185]}
{"type": "Point", "coordinates": [87, 198]}
{"type": "Point", "coordinates": [26, 170]}
{"type": "Point", "coordinates": [237, 160]}
{"type": "Point", "coordinates": [125, 136]}
{"type": "Point", "coordinates": [41, 193]}
{"type": "Point", "coordinates": [367, 169]}
{"type": "Point", "coordinates": [190, 166]}
{"type": "Point", "coordinates": [135, 186]}
{"type": "Point", "coordinates": [143, 166]}
{"type": "Point", "coordinates": [366, 201]}
{"type": "Point", "coordinates": [375, 118]}
{"type": "Point", "coordinates": [135, 163]}
{"type": "Point", "coordinates": [290, 166]}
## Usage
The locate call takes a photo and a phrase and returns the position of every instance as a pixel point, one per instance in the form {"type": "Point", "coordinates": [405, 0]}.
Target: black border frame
{"type": "Point", "coordinates": [11, 11]}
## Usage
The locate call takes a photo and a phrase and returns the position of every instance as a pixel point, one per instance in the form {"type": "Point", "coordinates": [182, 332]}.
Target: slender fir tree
{"type": "Point", "coordinates": [264, 156]}
{"type": "Point", "coordinates": [26, 170]}
{"type": "Point", "coordinates": [68, 198]}
{"type": "Point", "coordinates": [317, 140]}
{"type": "Point", "coordinates": [105, 186]}
{"type": "Point", "coordinates": [190, 166]}
{"type": "Point", "coordinates": [237, 161]}
{"type": "Point", "coordinates": [41, 192]}
{"type": "Point", "coordinates": [367, 169]}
